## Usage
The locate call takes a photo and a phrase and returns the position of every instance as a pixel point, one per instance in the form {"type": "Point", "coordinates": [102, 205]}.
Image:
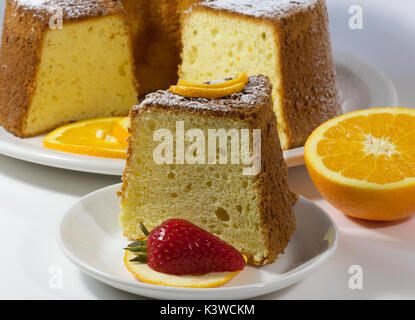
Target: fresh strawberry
{"type": "Point", "coordinates": [179, 247]}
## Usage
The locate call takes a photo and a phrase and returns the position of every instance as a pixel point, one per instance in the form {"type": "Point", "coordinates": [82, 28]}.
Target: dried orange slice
{"type": "Point", "coordinates": [242, 78]}
{"type": "Point", "coordinates": [145, 274]}
{"type": "Point", "coordinates": [120, 131]}
{"type": "Point", "coordinates": [363, 163]}
{"type": "Point", "coordinates": [90, 137]}
{"type": "Point", "coordinates": [210, 93]}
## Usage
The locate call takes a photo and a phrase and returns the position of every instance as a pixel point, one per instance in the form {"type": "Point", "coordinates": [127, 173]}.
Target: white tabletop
{"type": "Point", "coordinates": [33, 197]}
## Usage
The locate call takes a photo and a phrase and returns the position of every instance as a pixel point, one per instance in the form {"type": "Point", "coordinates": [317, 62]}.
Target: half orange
{"type": "Point", "coordinates": [363, 163]}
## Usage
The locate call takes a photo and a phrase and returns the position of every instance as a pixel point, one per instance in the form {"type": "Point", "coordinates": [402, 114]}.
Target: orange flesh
{"type": "Point", "coordinates": [377, 148]}
{"type": "Point", "coordinates": [91, 137]}
{"type": "Point", "coordinates": [120, 131]}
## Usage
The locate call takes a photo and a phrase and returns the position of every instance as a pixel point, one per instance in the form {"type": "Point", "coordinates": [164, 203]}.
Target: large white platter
{"type": "Point", "coordinates": [89, 236]}
{"type": "Point", "coordinates": [362, 86]}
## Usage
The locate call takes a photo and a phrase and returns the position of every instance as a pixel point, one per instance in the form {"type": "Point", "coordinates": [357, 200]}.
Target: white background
{"type": "Point", "coordinates": [33, 197]}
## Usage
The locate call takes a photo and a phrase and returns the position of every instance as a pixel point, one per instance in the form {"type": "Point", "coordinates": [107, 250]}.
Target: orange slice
{"type": "Point", "coordinates": [210, 93]}
{"type": "Point", "coordinates": [145, 274]}
{"type": "Point", "coordinates": [90, 137]}
{"type": "Point", "coordinates": [363, 163]}
{"type": "Point", "coordinates": [242, 78]}
{"type": "Point", "coordinates": [120, 131]}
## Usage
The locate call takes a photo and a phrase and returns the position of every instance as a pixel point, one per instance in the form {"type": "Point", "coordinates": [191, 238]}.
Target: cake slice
{"type": "Point", "coordinates": [286, 40]}
{"type": "Point", "coordinates": [244, 201]}
{"type": "Point", "coordinates": [54, 72]}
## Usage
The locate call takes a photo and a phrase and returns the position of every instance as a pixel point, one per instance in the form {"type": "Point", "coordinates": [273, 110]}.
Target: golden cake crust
{"type": "Point", "coordinates": [253, 106]}
{"type": "Point", "coordinates": [309, 97]}
{"type": "Point", "coordinates": [25, 23]}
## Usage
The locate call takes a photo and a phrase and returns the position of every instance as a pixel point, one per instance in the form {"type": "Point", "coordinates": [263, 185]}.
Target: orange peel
{"type": "Point", "coordinates": [242, 78]}
{"type": "Point", "coordinates": [210, 93]}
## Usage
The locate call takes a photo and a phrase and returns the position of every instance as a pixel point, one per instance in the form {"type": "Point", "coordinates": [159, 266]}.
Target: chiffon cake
{"type": "Point", "coordinates": [253, 212]}
{"type": "Point", "coordinates": [80, 70]}
{"type": "Point", "coordinates": [107, 55]}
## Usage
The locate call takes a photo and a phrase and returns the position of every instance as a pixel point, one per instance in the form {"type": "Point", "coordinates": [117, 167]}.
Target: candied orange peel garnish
{"type": "Point", "coordinates": [211, 93]}
{"type": "Point", "coordinates": [210, 90]}
{"type": "Point", "coordinates": [242, 78]}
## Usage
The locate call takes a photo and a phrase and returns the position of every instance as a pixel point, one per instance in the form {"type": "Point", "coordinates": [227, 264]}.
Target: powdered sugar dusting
{"type": "Point", "coordinates": [260, 8]}
{"type": "Point", "coordinates": [32, 3]}
{"type": "Point", "coordinates": [70, 8]}
{"type": "Point", "coordinates": [38, 4]}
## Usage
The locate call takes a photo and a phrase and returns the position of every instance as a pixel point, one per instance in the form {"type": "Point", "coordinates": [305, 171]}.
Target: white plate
{"type": "Point", "coordinates": [362, 86]}
{"type": "Point", "coordinates": [89, 236]}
